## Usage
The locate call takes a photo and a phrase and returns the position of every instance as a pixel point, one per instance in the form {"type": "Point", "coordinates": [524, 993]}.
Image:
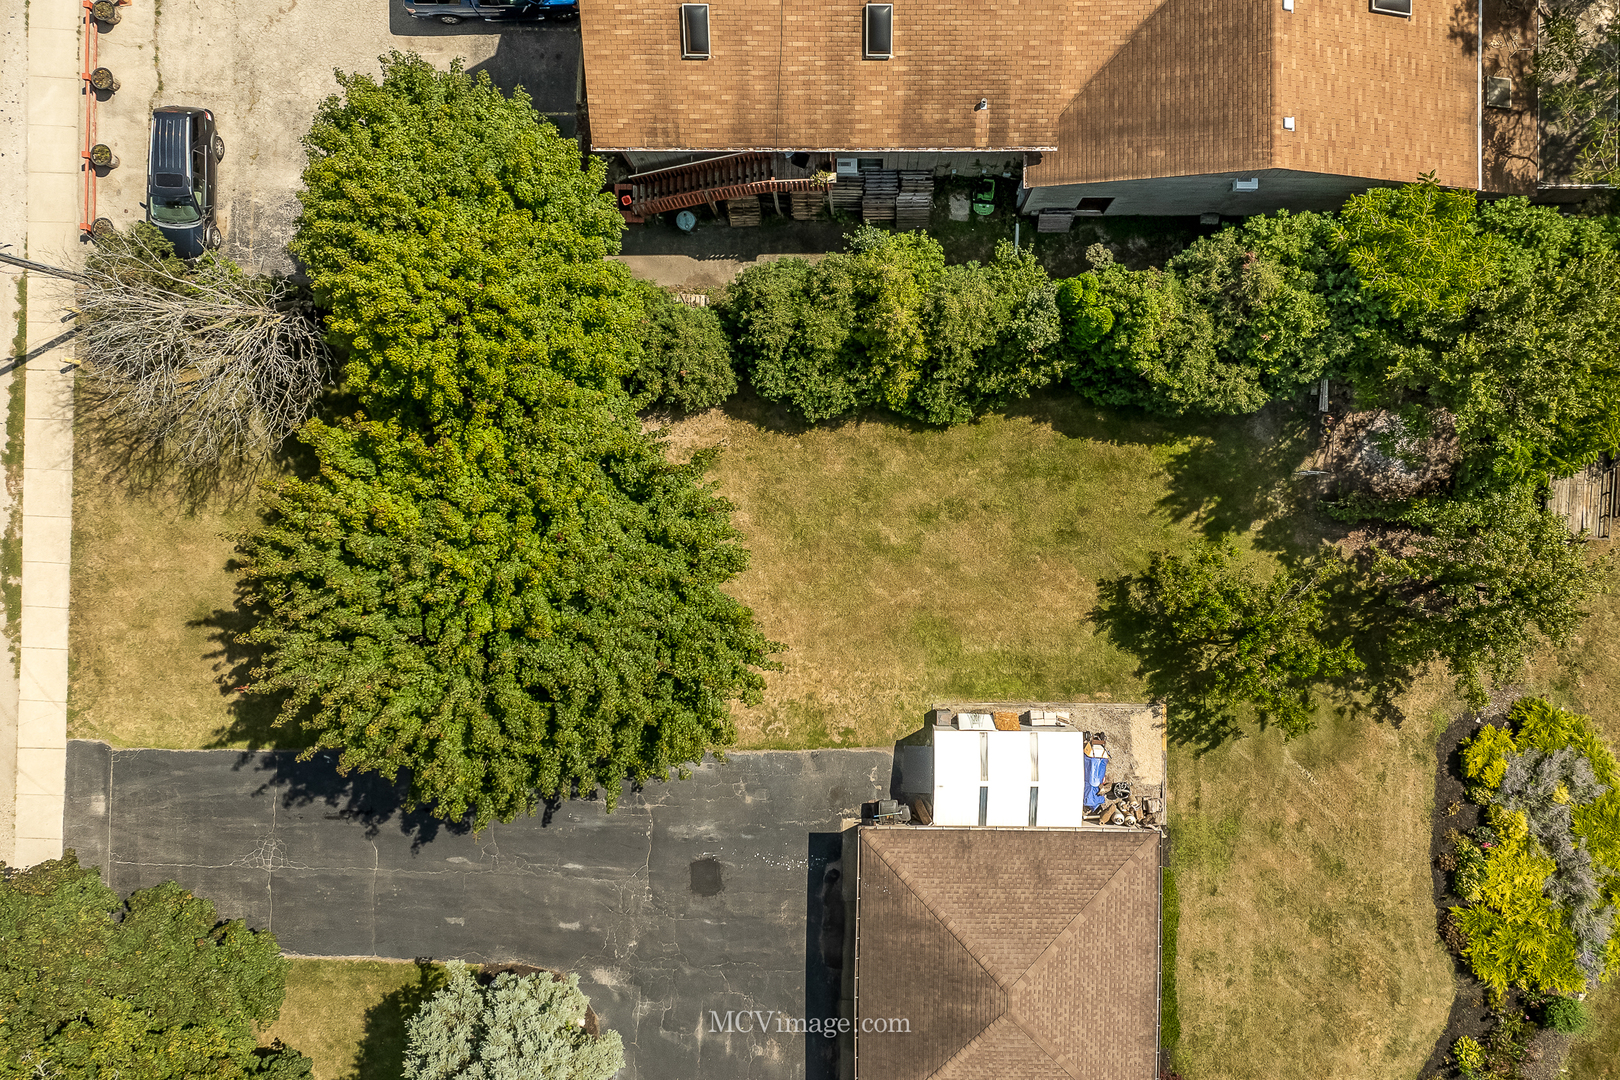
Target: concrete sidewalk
{"type": "Point", "coordinates": [55, 103]}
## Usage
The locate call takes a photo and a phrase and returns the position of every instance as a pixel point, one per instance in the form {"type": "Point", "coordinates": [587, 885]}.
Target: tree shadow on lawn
{"type": "Point", "coordinates": [256, 719]}
{"type": "Point", "coordinates": [1354, 610]}
{"type": "Point", "coordinates": [382, 1046]}
{"type": "Point", "coordinates": [126, 458]}
{"type": "Point", "coordinates": [1238, 474]}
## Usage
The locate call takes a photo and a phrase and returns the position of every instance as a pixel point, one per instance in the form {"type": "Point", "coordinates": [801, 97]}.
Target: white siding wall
{"type": "Point", "coordinates": [957, 777]}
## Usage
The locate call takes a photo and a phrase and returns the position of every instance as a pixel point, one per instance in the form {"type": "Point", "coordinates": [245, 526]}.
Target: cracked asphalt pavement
{"type": "Point", "coordinates": [695, 895]}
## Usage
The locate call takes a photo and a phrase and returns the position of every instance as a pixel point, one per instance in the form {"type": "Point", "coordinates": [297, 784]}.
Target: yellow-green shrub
{"type": "Point", "coordinates": [1517, 934]}
{"type": "Point", "coordinates": [1548, 728]}
{"type": "Point", "coordinates": [1485, 755]}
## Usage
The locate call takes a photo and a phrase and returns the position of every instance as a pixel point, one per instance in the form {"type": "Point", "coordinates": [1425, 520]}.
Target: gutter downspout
{"type": "Point", "coordinates": [1479, 99]}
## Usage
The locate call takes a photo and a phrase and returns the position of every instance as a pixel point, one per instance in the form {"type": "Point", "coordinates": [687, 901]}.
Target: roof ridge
{"type": "Point", "coordinates": [1051, 946]}
{"type": "Point", "coordinates": [1003, 1005]}
{"type": "Point", "coordinates": [947, 924]}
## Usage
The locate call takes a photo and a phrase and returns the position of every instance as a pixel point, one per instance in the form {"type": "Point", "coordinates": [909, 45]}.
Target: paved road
{"type": "Point", "coordinates": [693, 896]}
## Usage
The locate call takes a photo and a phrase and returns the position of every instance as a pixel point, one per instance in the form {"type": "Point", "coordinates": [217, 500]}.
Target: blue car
{"type": "Point", "coordinates": [451, 12]}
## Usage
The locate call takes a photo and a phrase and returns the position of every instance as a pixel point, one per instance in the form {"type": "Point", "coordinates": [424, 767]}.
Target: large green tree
{"type": "Point", "coordinates": [1507, 318]}
{"type": "Point", "coordinates": [507, 614]}
{"type": "Point", "coordinates": [1242, 317]}
{"type": "Point", "coordinates": [149, 988]}
{"type": "Point", "coordinates": [458, 245]}
{"type": "Point", "coordinates": [1212, 637]}
{"type": "Point", "coordinates": [516, 1027]}
{"type": "Point", "coordinates": [1482, 584]}
{"type": "Point", "coordinates": [495, 581]}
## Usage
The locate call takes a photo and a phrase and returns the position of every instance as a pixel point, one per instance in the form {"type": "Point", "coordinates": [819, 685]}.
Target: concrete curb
{"type": "Point", "coordinates": [56, 103]}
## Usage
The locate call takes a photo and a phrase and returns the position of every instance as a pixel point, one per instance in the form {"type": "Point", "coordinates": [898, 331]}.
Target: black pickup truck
{"type": "Point", "coordinates": [451, 12]}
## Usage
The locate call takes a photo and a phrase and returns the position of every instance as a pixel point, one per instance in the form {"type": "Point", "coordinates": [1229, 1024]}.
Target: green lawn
{"type": "Point", "coordinates": [349, 1015]}
{"type": "Point", "coordinates": [902, 565]}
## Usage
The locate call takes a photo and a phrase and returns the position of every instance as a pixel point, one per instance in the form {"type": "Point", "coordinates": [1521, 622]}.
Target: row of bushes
{"type": "Point", "coordinates": [1504, 315]}
{"type": "Point", "coordinates": [1237, 319]}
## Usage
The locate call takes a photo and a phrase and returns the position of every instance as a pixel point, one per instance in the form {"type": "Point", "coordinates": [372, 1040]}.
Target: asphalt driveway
{"type": "Point", "coordinates": [692, 896]}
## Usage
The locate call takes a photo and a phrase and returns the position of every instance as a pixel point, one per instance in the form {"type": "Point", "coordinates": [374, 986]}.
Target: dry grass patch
{"type": "Point", "coordinates": [901, 565]}
{"type": "Point", "coordinates": [1307, 929]}
{"type": "Point", "coordinates": [153, 606]}
{"type": "Point", "coordinates": [349, 1015]}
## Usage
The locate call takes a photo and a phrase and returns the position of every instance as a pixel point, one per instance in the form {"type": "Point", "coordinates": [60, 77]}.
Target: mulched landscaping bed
{"type": "Point", "coordinates": [1469, 1014]}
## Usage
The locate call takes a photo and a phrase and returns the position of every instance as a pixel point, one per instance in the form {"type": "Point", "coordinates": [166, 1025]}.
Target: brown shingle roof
{"type": "Point", "coordinates": [1107, 89]}
{"type": "Point", "coordinates": [1028, 953]}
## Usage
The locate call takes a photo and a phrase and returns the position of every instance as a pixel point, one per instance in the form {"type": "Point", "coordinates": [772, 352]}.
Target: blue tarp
{"type": "Point", "coordinates": [1094, 775]}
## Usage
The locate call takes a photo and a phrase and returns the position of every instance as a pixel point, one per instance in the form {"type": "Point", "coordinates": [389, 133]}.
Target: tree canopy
{"type": "Point", "coordinates": [458, 245]}
{"type": "Point", "coordinates": [148, 988]}
{"type": "Point", "coordinates": [509, 614]}
{"type": "Point", "coordinates": [496, 581]}
{"type": "Point", "coordinates": [514, 1028]}
{"type": "Point", "coordinates": [1483, 583]}
{"type": "Point", "coordinates": [1213, 637]}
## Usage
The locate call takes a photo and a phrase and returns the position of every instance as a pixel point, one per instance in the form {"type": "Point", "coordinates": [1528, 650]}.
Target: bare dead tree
{"type": "Point", "coordinates": [202, 362]}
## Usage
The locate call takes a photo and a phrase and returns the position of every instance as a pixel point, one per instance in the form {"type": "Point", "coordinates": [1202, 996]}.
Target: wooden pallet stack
{"type": "Point", "coordinates": [743, 212]}
{"type": "Point", "coordinates": [1054, 221]}
{"type": "Point", "coordinates": [877, 204]}
{"type": "Point", "coordinates": [915, 202]}
{"type": "Point", "coordinates": [846, 193]}
{"type": "Point", "coordinates": [805, 205]}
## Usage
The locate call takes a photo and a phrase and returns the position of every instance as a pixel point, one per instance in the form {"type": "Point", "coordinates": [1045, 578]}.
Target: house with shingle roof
{"type": "Point", "coordinates": [1099, 106]}
{"type": "Point", "coordinates": [986, 954]}
{"type": "Point", "coordinates": [1003, 950]}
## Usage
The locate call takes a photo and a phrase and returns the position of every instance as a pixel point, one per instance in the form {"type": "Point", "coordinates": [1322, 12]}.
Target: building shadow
{"type": "Point", "coordinates": [824, 950]}
{"type": "Point", "coordinates": [544, 62]}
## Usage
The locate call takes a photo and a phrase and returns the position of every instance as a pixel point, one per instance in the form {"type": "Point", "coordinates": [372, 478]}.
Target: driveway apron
{"type": "Point", "coordinates": [694, 896]}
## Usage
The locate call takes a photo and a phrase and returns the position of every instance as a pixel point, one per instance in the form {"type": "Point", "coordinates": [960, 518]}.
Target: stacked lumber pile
{"type": "Point", "coordinates": [846, 193]}
{"type": "Point", "coordinates": [805, 205]}
{"type": "Point", "coordinates": [877, 204]}
{"type": "Point", "coordinates": [743, 212]}
{"type": "Point", "coordinates": [915, 202]}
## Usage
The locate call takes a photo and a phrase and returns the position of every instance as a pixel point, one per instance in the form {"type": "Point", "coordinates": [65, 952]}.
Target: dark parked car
{"type": "Point", "coordinates": [451, 12]}
{"type": "Point", "coordinates": [182, 176]}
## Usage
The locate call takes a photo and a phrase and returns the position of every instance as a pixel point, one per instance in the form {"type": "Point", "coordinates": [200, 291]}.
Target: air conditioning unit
{"type": "Point", "coordinates": [1252, 184]}
{"type": "Point", "coordinates": [848, 166]}
{"type": "Point", "coordinates": [1402, 8]}
{"type": "Point", "coordinates": [975, 721]}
